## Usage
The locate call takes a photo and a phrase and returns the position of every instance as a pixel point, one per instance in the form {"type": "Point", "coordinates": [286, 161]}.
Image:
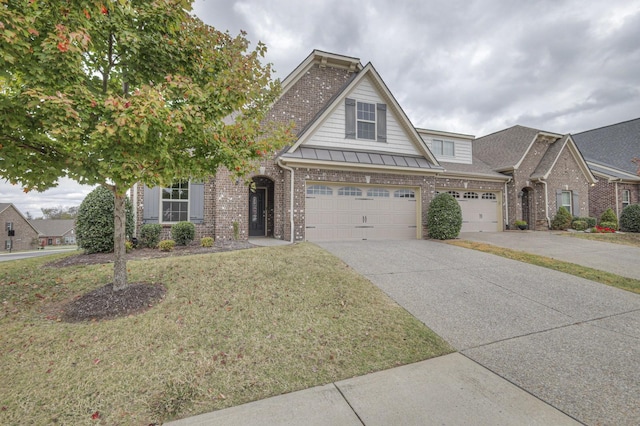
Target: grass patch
{"type": "Point", "coordinates": [234, 327]}
{"type": "Point", "coordinates": [628, 239]}
{"type": "Point", "coordinates": [607, 278]}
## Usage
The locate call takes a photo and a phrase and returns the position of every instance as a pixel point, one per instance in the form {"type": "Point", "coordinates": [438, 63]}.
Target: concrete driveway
{"type": "Point", "coordinates": [573, 343]}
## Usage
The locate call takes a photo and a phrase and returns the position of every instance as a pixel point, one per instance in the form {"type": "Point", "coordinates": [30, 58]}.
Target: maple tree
{"type": "Point", "coordinates": [116, 92]}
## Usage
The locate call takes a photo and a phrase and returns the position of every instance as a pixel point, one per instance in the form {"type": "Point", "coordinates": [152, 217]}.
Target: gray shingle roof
{"type": "Point", "coordinates": [613, 145]}
{"type": "Point", "coordinates": [504, 149]}
{"type": "Point", "coordinates": [478, 167]}
{"type": "Point", "coordinates": [359, 157]}
{"type": "Point", "coordinates": [549, 158]}
{"type": "Point", "coordinates": [53, 227]}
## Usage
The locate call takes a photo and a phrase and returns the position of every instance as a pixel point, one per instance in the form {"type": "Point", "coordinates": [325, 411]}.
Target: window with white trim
{"type": "Point", "coordinates": [366, 120]}
{"type": "Point", "coordinates": [7, 244]}
{"type": "Point", "coordinates": [351, 191]}
{"type": "Point", "coordinates": [470, 195]}
{"type": "Point", "coordinates": [405, 193]}
{"type": "Point", "coordinates": [378, 192]}
{"type": "Point", "coordinates": [175, 202]}
{"type": "Point", "coordinates": [626, 198]}
{"type": "Point", "coordinates": [319, 190]}
{"type": "Point", "coordinates": [567, 201]}
{"type": "Point", "coordinates": [443, 148]}
{"type": "Point", "coordinates": [8, 226]}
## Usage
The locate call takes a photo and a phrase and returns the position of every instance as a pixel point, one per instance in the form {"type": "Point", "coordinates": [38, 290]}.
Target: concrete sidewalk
{"type": "Point", "coordinates": [615, 258]}
{"type": "Point", "coordinates": [449, 390]}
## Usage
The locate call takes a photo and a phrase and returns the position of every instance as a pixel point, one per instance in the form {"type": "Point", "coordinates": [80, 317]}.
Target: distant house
{"type": "Point", "coordinates": [24, 235]}
{"type": "Point", "coordinates": [547, 172]}
{"type": "Point", "coordinates": [609, 152]}
{"type": "Point", "coordinates": [55, 232]}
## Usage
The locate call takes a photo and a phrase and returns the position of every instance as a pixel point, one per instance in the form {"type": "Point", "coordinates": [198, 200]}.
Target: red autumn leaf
{"type": "Point", "coordinates": [104, 10]}
{"type": "Point", "coordinates": [86, 13]}
{"type": "Point", "coordinates": [95, 415]}
{"type": "Point", "coordinates": [63, 47]}
{"type": "Point", "coordinates": [96, 361]}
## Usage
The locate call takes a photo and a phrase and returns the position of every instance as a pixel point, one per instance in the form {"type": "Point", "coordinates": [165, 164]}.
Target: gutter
{"type": "Point", "coordinates": [291, 223]}
{"type": "Point", "coordinates": [506, 203]}
{"type": "Point", "coordinates": [546, 201]}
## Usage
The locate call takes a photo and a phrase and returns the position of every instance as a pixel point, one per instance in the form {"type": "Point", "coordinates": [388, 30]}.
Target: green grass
{"type": "Point", "coordinates": [596, 275]}
{"type": "Point", "coordinates": [233, 327]}
{"type": "Point", "coordinates": [629, 239]}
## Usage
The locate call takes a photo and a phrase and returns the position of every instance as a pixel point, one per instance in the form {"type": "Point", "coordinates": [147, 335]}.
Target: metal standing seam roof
{"type": "Point", "coordinates": [360, 157]}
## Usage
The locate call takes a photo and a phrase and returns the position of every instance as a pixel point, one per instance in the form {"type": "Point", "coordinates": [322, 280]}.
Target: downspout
{"type": "Point", "coordinates": [506, 203]}
{"type": "Point", "coordinates": [617, 209]}
{"type": "Point", "coordinates": [292, 240]}
{"type": "Point", "coordinates": [546, 201]}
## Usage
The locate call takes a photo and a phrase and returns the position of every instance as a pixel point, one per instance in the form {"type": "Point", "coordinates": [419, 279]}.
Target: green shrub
{"type": "Point", "coordinates": [610, 225]}
{"type": "Point", "coordinates": [579, 225]}
{"type": "Point", "coordinates": [128, 246]}
{"type": "Point", "coordinates": [150, 235]}
{"type": "Point", "coordinates": [591, 221]}
{"type": "Point", "coordinates": [610, 217]}
{"type": "Point", "coordinates": [166, 245]}
{"type": "Point", "coordinates": [444, 218]}
{"type": "Point", "coordinates": [630, 218]}
{"type": "Point", "coordinates": [562, 220]}
{"type": "Point", "coordinates": [94, 223]}
{"type": "Point", "coordinates": [183, 233]}
{"type": "Point", "coordinates": [206, 242]}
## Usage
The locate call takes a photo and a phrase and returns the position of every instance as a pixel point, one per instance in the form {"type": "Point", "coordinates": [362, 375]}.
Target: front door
{"type": "Point", "coordinates": [258, 212]}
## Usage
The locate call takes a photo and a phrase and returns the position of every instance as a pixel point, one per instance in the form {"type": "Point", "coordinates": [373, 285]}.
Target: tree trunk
{"type": "Point", "coordinates": [119, 250]}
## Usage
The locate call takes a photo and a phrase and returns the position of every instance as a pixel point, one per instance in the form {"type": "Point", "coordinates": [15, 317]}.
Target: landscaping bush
{"type": "Point", "coordinates": [579, 225]}
{"type": "Point", "coordinates": [590, 221]}
{"type": "Point", "coordinates": [610, 225]}
{"type": "Point", "coordinates": [94, 223]}
{"type": "Point", "coordinates": [206, 242]}
{"type": "Point", "coordinates": [150, 235]}
{"type": "Point", "coordinates": [183, 233]}
{"type": "Point", "coordinates": [609, 217]}
{"type": "Point", "coordinates": [630, 218]}
{"type": "Point", "coordinates": [444, 218]}
{"type": "Point", "coordinates": [562, 220]}
{"type": "Point", "coordinates": [166, 245]}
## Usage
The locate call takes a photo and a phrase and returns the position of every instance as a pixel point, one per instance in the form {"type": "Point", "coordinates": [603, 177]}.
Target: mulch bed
{"type": "Point", "coordinates": [104, 303]}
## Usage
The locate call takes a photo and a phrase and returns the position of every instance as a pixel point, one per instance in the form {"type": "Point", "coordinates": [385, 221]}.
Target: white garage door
{"type": "Point", "coordinates": [479, 210]}
{"type": "Point", "coordinates": [354, 212]}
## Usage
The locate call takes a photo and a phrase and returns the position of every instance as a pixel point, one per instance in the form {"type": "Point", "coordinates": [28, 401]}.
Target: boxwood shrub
{"type": "Point", "coordinates": [562, 220]}
{"type": "Point", "coordinates": [150, 235]}
{"type": "Point", "coordinates": [444, 218]}
{"type": "Point", "coordinates": [630, 218]}
{"type": "Point", "coordinates": [610, 218]}
{"type": "Point", "coordinates": [183, 233]}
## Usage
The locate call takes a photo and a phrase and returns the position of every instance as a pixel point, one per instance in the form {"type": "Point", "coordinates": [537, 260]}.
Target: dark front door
{"type": "Point", "coordinates": [526, 208]}
{"type": "Point", "coordinates": [258, 212]}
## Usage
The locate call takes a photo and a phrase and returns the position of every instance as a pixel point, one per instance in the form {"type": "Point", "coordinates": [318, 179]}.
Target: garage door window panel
{"type": "Point", "coordinates": [404, 193]}
{"type": "Point", "coordinates": [470, 195]}
{"type": "Point", "coordinates": [378, 192]}
{"type": "Point", "coordinates": [319, 190]}
{"type": "Point", "coordinates": [350, 191]}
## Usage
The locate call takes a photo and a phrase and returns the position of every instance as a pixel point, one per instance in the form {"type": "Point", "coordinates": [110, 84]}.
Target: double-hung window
{"type": "Point", "coordinates": [175, 202]}
{"type": "Point", "coordinates": [566, 201]}
{"type": "Point", "coordinates": [443, 148]}
{"type": "Point", "coordinates": [626, 198]}
{"type": "Point", "coordinates": [366, 123]}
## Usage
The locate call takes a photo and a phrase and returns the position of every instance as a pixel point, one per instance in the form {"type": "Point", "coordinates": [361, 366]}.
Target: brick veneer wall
{"type": "Point", "coordinates": [565, 175]}
{"type": "Point", "coordinates": [26, 237]}
{"type": "Point", "coordinates": [602, 196]}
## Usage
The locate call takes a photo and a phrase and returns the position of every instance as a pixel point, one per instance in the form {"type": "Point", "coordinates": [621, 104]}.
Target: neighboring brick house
{"type": "Point", "coordinates": [55, 232]}
{"type": "Point", "coordinates": [360, 170]}
{"type": "Point", "coordinates": [547, 172]}
{"type": "Point", "coordinates": [25, 236]}
{"type": "Point", "coordinates": [609, 152]}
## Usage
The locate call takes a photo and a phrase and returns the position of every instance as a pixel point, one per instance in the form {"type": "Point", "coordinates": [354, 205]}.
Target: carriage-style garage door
{"type": "Point", "coordinates": [355, 212]}
{"type": "Point", "coordinates": [479, 210]}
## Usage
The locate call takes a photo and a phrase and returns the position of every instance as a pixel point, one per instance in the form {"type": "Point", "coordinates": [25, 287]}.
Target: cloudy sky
{"type": "Point", "coordinates": [464, 66]}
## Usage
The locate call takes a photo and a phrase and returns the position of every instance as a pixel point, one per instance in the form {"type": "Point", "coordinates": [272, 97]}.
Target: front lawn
{"type": "Point", "coordinates": [233, 327]}
{"type": "Point", "coordinates": [627, 238]}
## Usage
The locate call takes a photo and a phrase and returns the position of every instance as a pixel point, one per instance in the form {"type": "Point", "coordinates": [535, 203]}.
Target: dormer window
{"type": "Point", "coordinates": [365, 120]}
{"type": "Point", "coordinates": [443, 148]}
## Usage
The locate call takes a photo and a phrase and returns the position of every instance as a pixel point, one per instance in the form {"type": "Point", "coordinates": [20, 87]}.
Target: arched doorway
{"type": "Point", "coordinates": [527, 199]}
{"type": "Point", "coordinates": [261, 207]}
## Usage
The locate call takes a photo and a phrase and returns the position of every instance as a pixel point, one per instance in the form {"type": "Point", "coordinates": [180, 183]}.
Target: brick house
{"type": "Point", "coordinates": [546, 171]}
{"type": "Point", "coordinates": [25, 236]}
{"type": "Point", "coordinates": [358, 169]}
{"type": "Point", "coordinates": [608, 151]}
{"type": "Point", "coordinates": [55, 232]}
